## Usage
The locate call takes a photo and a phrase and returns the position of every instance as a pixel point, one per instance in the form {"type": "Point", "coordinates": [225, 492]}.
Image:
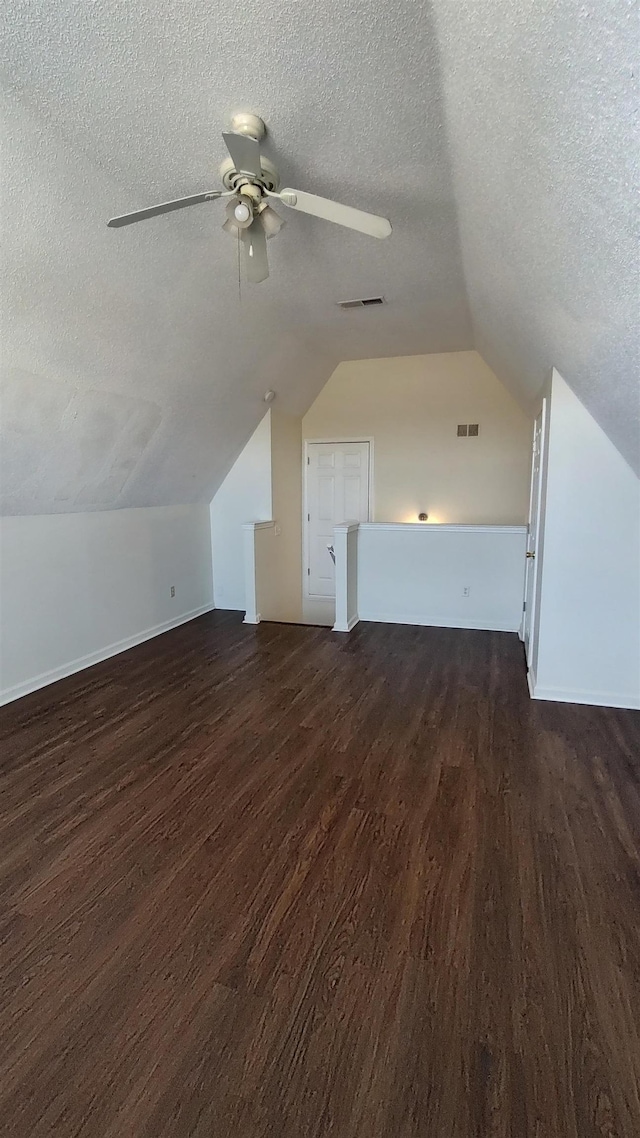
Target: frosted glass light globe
{"type": "Point", "coordinates": [242, 212]}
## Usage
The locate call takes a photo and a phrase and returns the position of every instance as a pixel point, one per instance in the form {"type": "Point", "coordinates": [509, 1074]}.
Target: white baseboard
{"type": "Point", "coordinates": [252, 618]}
{"type": "Point", "coordinates": [351, 623]}
{"type": "Point", "coordinates": [81, 662]}
{"type": "Point", "coordinates": [531, 683]}
{"type": "Point", "coordinates": [592, 698]}
{"type": "Point", "coordinates": [436, 622]}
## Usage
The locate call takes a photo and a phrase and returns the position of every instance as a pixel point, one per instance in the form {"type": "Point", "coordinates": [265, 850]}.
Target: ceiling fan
{"type": "Point", "coordinates": [250, 180]}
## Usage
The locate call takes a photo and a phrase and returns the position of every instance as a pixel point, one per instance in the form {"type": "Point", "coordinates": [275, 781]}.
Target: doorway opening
{"type": "Point", "coordinates": [337, 488]}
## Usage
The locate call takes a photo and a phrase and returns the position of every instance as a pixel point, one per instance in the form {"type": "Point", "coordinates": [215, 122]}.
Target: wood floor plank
{"type": "Point", "coordinates": [277, 883]}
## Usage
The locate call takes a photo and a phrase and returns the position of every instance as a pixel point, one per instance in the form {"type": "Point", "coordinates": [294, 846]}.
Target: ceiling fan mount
{"type": "Point", "coordinates": [233, 179]}
{"type": "Point", "coordinates": [251, 180]}
{"type": "Point", "coordinates": [251, 125]}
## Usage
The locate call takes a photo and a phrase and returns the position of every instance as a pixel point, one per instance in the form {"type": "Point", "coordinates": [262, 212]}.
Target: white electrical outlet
{"type": "Point", "coordinates": [466, 590]}
{"type": "Point", "coordinates": [277, 530]}
{"type": "Point", "coordinates": [173, 590]}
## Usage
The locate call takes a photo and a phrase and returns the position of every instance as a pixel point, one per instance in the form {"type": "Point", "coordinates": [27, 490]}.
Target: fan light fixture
{"type": "Point", "coordinates": [241, 212]}
{"type": "Point", "coordinates": [248, 178]}
{"type": "Point", "coordinates": [271, 221]}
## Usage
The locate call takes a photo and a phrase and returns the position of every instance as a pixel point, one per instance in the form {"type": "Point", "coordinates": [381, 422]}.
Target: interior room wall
{"type": "Point", "coordinates": [450, 576]}
{"type": "Point", "coordinates": [286, 482]}
{"type": "Point", "coordinates": [244, 496]}
{"type": "Point", "coordinates": [77, 588]}
{"type": "Point", "coordinates": [264, 482]}
{"type": "Point", "coordinates": [411, 406]}
{"type": "Point", "coordinates": [588, 627]}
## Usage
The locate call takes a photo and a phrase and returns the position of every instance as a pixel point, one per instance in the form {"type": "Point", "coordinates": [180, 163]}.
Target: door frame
{"type": "Point", "coordinates": [306, 443]}
{"type": "Point", "coordinates": [532, 565]}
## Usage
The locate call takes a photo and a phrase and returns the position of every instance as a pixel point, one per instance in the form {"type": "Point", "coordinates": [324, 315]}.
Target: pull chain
{"type": "Point", "coordinates": [239, 279]}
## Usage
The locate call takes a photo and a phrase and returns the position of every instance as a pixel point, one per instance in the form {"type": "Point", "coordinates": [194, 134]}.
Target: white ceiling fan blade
{"type": "Point", "coordinates": [255, 252]}
{"type": "Point", "coordinates": [245, 153]}
{"type": "Point", "coordinates": [164, 207]}
{"type": "Point", "coordinates": [340, 214]}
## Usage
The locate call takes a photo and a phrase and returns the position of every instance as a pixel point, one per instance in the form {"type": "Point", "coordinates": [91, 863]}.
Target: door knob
{"type": "Point", "coordinates": [530, 553]}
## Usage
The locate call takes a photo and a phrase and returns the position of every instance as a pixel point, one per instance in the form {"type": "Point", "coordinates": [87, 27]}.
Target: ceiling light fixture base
{"type": "Point", "coordinates": [250, 125]}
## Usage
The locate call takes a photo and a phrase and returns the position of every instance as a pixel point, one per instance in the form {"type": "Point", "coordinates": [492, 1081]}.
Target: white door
{"type": "Point", "coordinates": [539, 442]}
{"type": "Point", "coordinates": [337, 491]}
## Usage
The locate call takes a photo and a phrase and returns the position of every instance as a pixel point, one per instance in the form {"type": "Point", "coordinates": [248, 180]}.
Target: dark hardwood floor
{"type": "Point", "coordinates": [278, 882]}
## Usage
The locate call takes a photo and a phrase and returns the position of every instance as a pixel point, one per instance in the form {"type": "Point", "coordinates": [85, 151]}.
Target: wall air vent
{"type": "Point", "coordinates": [367, 302]}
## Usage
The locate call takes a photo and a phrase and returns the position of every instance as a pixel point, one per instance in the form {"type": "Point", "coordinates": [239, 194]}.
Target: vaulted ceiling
{"type": "Point", "coordinates": [541, 102]}
{"type": "Point", "coordinates": [496, 135]}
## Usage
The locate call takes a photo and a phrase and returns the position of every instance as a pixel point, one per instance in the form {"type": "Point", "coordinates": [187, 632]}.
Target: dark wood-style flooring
{"type": "Point", "coordinates": [278, 882]}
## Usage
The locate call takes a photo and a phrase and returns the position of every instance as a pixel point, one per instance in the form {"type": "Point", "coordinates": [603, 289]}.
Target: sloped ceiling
{"type": "Point", "coordinates": [542, 99]}
{"type": "Point", "coordinates": [135, 372]}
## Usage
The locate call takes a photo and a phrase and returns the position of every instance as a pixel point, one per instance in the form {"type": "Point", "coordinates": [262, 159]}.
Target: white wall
{"type": "Point", "coordinates": [77, 588]}
{"type": "Point", "coordinates": [265, 482]}
{"type": "Point", "coordinates": [244, 496]}
{"type": "Point", "coordinates": [588, 628]}
{"type": "Point", "coordinates": [411, 406]}
{"type": "Point", "coordinates": [417, 574]}
{"type": "Point", "coordinates": [286, 479]}
{"type": "Point", "coordinates": [345, 544]}
{"type": "Point", "coordinates": [267, 577]}
{"type": "Point", "coordinates": [263, 573]}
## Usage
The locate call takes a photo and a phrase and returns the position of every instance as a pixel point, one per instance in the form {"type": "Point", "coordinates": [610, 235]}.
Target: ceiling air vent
{"type": "Point", "coordinates": [367, 302]}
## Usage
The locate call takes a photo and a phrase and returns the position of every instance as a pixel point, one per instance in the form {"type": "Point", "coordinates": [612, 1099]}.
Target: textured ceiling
{"type": "Point", "coordinates": [541, 99]}
{"type": "Point", "coordinates": [134, 373]}
{"type": "Point", "coordinates": [137, 373]}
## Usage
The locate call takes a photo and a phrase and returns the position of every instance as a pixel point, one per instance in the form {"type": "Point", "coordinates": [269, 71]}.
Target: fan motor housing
{"type": "Point", "coordinates": [233, 179]}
